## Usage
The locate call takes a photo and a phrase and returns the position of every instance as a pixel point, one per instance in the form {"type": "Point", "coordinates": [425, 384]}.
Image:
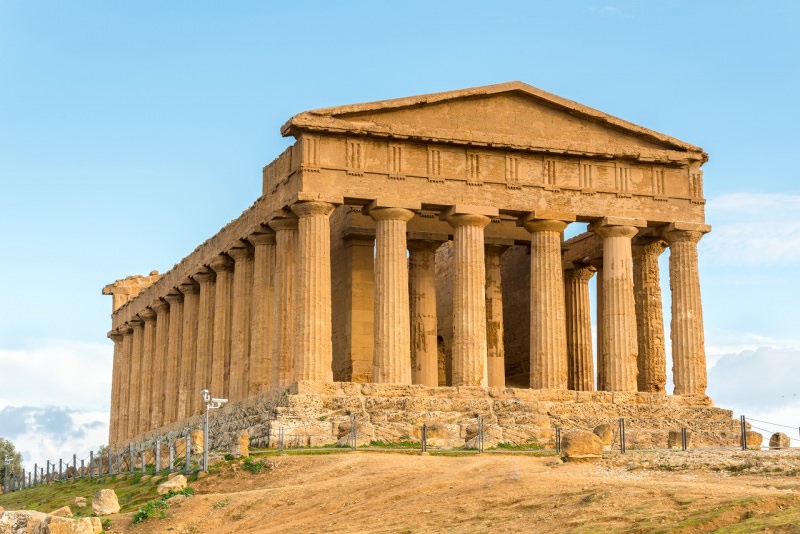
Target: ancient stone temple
{"type": "Point", "coordinates": [419, 243]}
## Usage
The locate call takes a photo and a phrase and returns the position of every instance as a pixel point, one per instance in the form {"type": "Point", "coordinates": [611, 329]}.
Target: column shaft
{"type": "Point", "coordinates": [240, 322]}
{"type": "Point", "coordinates": [261, 312]}
{"type": "Point", "coordinates": [172, 379]}
{"type": "Point", "coordinates": [148, 370]}
{"type": "Point", "coordinates": [548, 316]}
{"type": "Point", "coordinates": [601, 366]}
{"type": "Point", "coordinates": [135, 383]}
{"type": "Point", "coordinates": [283, 316]}
{"type": "Point", "coordinates": [392, 356]}
{"type": "Point", "coordinates": [469, 300]}
{"type": "Point", "coordinates": [579, 328]}
{"type": "Point", "coordinates": [125, 383]}
{"type": "Point", "coordinates": [205, 337]}
{"type": "Point", "coordinates": [116, 372]}
{"type": "Point", "coordinates": [314, 356]}
{"type": "Point", "coordinates": [221, 351]}
{"type": "Point", "coordinates": [652, 358]}
{"type": "Point", "coordinates": [686, 332]}
{"type": "Point", "coordinates": [189, 390]}
{"type": "Point", "coordinates": [422, 306]}
{"type": "Point", "coordinates": [158, 384]}
{"type": "Point", "coordinates": [495, 349]}
{"type": "Point", "coordinates": [620, 345]}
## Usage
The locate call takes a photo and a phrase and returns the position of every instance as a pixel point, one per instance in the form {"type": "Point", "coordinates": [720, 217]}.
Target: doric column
{"type": "Point", "coordinates": [205, 335]}
{"type": "Point", "coordinates": [548, 317]}
{"type": "Point", "coordinates": [116, 378]}
{"type": "Point", "coordinates": [283, 315]}
{"type": "Point", "coordinates": [495, 350]}
{"type": "Point", "coordinates": [189, 390]}
{"type": "Point", "coordinates": [422, 306]}
{"type": "Point", "coordinates": [240, 321]}
{"type": "Point", "coordinates": [172, 379]}
{"type": "Point", "coordinates": [392, 356]}
{"type": "Point", "coordinates": [652, 358]}
{"type": "Point", "coordinates": [601, 366]}
{"type": "Point", "coordinates": [147, 375]}
{"type": "Point", "coordinates": [686, 332]}
{"type": "Point", "coordinates": [579, 327]}
{"type": "Point", "coordinates": [314, 356]}
{"type": "Point", "coordinates": [125, 382]}
{"type": "Point", "coordinates": [620, 345]}
{"type": "Point", "coordinates": [261, 312]}
{"type": "Point", "coordinates": [135, 383]}
{"type": "Point", "coordinates": [158, 385]}
{"type": "Point", "coordinates": [221, 351]}
{"type": "Point", "coordinates": [469, 300]}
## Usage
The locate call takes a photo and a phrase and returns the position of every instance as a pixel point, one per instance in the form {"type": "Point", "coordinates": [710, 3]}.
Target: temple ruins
{"type": "Point", "coordinates": [414, 249]}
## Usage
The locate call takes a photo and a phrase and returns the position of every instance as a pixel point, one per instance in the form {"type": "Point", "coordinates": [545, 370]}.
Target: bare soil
{"type": "Point", "coordinates": [394, 492]}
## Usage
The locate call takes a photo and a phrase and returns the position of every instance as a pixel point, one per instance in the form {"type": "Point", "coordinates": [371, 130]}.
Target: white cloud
{"type": "Point", "coordinates": [752, 229]}
{"type": "Point", "coordinates": [610, 11]}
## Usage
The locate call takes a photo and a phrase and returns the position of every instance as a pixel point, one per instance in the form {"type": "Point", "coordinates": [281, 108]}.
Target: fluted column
{"type": "Point", "coordinates": [392, 356]}
{"type": "Point", "coordinates": [261, 312]}
{"type": "Point", "coordinates": [221, 351]}
{"type": "Point", "coordinates": [147, 375]}
{"type": "Point", "coordinates": [135, 383]}
{"type": "Point", "coordinates": [314, 357]}
{"type": "Point", "coordinates": [240, 321]}
{"type": "Point", "coordinates": [620, 345]}
{"type": "Point", "coordinates": [283, 315]}
{"type": "Point", "coordinates": [125, 383]}
{"type": "Point", "coordinates": [601, 366]}
{"type": "Point", "coordinates": [652, 358]}
{"type": "Point", "coordinates": [686, 332]}
{"type": "Point", "coordinates": [172, 379]}
{"type": "Point", "coordinates": [422, 306]}
{"type": "Point", "coordinates": [579, 327]}
{"type": "Point", "coordinates": [495, 350]}
{"type": "Point", "coordinates": [205, 336]}
{"type": "Point", "coordinates": [548, 317]}
{"type": "Point", "coordinates": [469, 300]}
{"type": "Point", "coordinates": [116, 378]}
{"type": "Point", "coordinates": [157, 395]}
{"type": "Point", "coordinates": [190, 386]}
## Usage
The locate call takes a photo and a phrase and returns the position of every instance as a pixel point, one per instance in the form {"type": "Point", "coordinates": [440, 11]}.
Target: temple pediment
{"type": "Point", "coordinates": [512, 115]}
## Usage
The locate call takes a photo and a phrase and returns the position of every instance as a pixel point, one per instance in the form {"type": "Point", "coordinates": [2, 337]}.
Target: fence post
{"type": "Point", "coordinates": [683, 439]}
{"type": "Point", "coordinates": [108, 459]}
{"type": "Point", "coordinates": [622, 435]}
{"type": "Point", "coordinates": [144, 465]}
{"type": "Point", "coordinates": [35, 473]}
{"type": "Point", "coordinates": [91, 464]}
{"type": "Point", "coordinates": [188, 454]}
{"type": "Point", "coordinates": [480, 435]}
{"type": "Point", "coordinates": [158, 455]}
{"type": "Point", "coordinates": [74, 466]}
{"type": "Point", "coordinates": [171, 448]}
{"type": "Point", "coordinates": [353, 431]}
{"type": "Point", "coordinates": [743, 424]}
{"type": "Point", "coordinates": [130, 450]}
{"type": "Point", "coordinates": [558, 439]}
{"type": "Point", "coordinates": [60, 469]}
{"type": "Point", "coordinates": [424, 437]}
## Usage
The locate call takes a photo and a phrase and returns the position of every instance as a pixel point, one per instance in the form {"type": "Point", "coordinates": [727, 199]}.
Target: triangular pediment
{"type": "Point", "coordinates": [511, 115]}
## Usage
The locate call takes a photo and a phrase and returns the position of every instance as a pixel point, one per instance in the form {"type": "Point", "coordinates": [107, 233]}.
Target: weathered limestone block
{"type": "Point", "coordinates": [606, 434]}
{"type": "Point", "coordinates": [63, 525]}
{"type": "Point", "coordinates": [177, 483]}
{"type": "Point", "coordinates": [105, 502]}
{"type": "Point", "coordinates": [21, 521]}
{"type": "Point", "coordinates": [581, 445]}
{"type": "Point", "coordinates": [198, 441]}
{"type": "Point", "coordinates": [64, 511]}
{"type": "Point", "coordinates": [753, 439]}
{"type": "Point", "coordinates": [779, 440]}
{"type": "Point", "coordinates": [674, 439]}
{"type": "Point", "coordinates": [241, 445]}
{"type": "Point", "coordinates": [80, 502]}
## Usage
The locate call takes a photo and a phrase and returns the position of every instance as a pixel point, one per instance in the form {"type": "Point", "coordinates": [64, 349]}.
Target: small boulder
{"type": "Point", "coordinates": [241, 444]}
{"type": "Point", "coordinates": [176, 484]}
{"type": "Point", "coordinates": [581, 445]}
{"type": "Point", "coordinates": [605, 433]}
{"type": "Point", "coordinates": [674, 439]}
{"type": "Point", "coordinates": [779, 440]}
{"type": "Point", "coordinates": [21, 521]}
{"type": "Point", "coordinates": [63, 525]}
{"type": "Point", "coordinates": [753, 439]}
{"type": "Point", "coordinates": [80, 502]}
{"type": "Point", "coordinates": [64, 511]}
{"type": "Point", "coordinates": [105, 502]}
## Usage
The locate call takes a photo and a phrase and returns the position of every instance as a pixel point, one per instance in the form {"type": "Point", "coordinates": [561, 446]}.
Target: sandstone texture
{"type": "Point", "coordinates": [21, 522]}
{"type": "Point", "coordinates": [779, 440]}
{"type": "Point", "coordinates": [605, 433]}
{"type": "Point", "coordinates": [105, 502]}
{"type": "Point", "coordinates": [80, 502]}
{"type": "Point", "coordinates": [176, 483]}
{"type": "Point", "coordinates": [581, 445]}
{"type": "Point", "coordinates": [753, 439]}
{"type": "Point", "coordinates": [64, 511]}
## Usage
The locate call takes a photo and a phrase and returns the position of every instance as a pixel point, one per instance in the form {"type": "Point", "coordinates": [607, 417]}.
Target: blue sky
{"type": "Point", "coordinates": [131, 132]}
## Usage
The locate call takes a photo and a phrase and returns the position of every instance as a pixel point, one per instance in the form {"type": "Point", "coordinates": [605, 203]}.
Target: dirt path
{"type": "Point", "coordinates": [382, 492]}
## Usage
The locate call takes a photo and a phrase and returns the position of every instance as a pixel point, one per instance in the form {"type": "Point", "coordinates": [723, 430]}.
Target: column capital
{"type": "Point", "coordinates": [261, 238]}
{"type": "Point", "coordinates": [189, 287]}
{"type": "Point", "coordinates": [579, 271]}
{"type": "Point", "coordinates": [136, 322]}
{"type": "Point", "coordinates": [468, 219]}
{"type": "Point", "coordinates": [125, 329]}
{"type": "Point", "coordinates": [545, 225]}
{"type": "Point", "coordinates": [221, 263]}
{"type": "Point", "coordinates": [283, 223]}
{"type": "Point", "coordinates": [646, 244]}
{"type": "Point", "coordinates": [311, 208]}
{"type": "Point", "coordinates": [174, 297]}
{"type": "Point", "coordinates": [681, 232]}
{"type": "Point", "coordinates": [241, 251]}
{"type": "Point", "coordinates": [391, 214]}
{"type": "Point", "coordinates": [147, 315]}
{"type": "Point", "coordinates": [160, 306]}
{"type": "Point", "coordinates": [616, 231]}
{"type": "Point", "coordinates": [204, 276]}
{"type": "Point", "coordinates": [115, 336]}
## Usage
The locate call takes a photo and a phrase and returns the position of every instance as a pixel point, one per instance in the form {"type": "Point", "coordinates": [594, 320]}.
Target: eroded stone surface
{"type": "Point", "coordinates": [105, 502]}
